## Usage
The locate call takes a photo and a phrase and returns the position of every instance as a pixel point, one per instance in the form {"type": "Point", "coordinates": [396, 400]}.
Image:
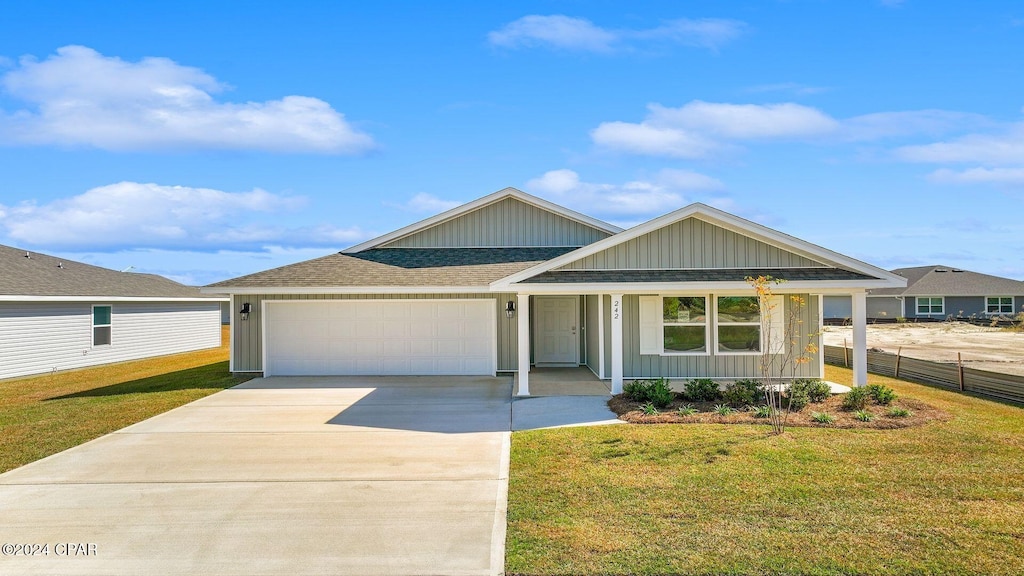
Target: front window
{"type": "Point", "coordinates": [929, 306]}
{"type": "Point", "coordinates": [685, 323]}
{"type": "Point", "coordinates": [999, 305]}
{"type": "Point", "coordinates": [739, 324]}
{"type": "Point", "coordinates": [101, 325]}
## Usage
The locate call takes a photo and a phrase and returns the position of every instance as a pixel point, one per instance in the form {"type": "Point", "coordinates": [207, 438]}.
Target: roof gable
{"type": "Point", "coordinates": [761, 244]}
{"type": "Point", "coordinates": [508, 218]}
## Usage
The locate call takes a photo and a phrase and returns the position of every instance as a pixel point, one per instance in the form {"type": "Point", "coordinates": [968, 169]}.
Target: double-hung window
{"type": "Point", "coordinates": [684, 324]}
{"type": "Point", "coordinates": [930, 305]}
{"type": "Point", "coordinates": [999, 305]}
{"type": "Point", "coordinates": [101, 325]}
{"type": "Point", "coordinates": [738, 321]}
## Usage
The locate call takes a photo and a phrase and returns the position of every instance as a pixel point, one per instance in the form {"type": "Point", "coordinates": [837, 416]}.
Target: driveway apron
{"type": "Point", "coordinates": [288, 476]}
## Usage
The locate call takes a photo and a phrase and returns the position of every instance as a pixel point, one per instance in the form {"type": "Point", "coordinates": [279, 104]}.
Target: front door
{"type": "Point", "coordinates": [556, 330]}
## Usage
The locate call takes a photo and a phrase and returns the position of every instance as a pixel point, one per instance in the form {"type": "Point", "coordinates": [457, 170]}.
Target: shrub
{"type": "Point", "coordinates": [863, 415]}
{"type": "Point", "coordinates": [797, 400]}
{"type": "Point", "coordinates": [636, 390]}
{"type": "Point", "coordinates": [660, 394]}
{"type": "Point", "coordinates": [687, 410]}
{"type": "Point", "coordinates": [856, 399]}
{"type": "Point", "coordinates": [743, 392]}
{"type": "Point", "coordinates": [822, 417]}
{"type": "Point", "coordinates": [762, 412]}
{"type": "Point", "coordinates": [724, 410]}
{"type": "Point", "coordinates": [701, 390]}
{"type": "Point", "coordinates": [881, 394]}
{"type": "Point", "coordinates": [895, 412]}
{"type": "Point", "coordinates": [649, 409]}
{"type": "Point", "coordinates": [816, 390]}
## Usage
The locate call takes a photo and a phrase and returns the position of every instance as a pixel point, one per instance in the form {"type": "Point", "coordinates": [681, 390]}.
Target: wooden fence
{"type": "Point", "coordinates": [952, 376]}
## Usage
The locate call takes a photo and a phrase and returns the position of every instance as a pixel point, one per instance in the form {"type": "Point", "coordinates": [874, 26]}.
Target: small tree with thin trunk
{"type": "Point", "coordinates": [783, 353]}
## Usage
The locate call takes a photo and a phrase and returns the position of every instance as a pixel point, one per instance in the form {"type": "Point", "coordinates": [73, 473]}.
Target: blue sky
{"type": "Point", "coordinates": [206, 140]}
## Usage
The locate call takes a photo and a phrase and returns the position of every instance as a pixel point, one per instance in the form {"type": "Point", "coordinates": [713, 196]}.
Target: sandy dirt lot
{"type": "Point", "coordinates": [983, 348]}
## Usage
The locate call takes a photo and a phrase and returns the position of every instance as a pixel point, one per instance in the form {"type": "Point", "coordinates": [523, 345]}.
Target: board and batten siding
{"type": "Point", "coordinates": [506, 223]}
{"type": "Point", "coordinates": [38, 337]}
{"type": "Point", "coordinates": [718, 366]}
{"type": "Point", "coordinates": [691, 243]}
{"type": "Point", "coordinates": [592, 331]}
{"type": "Point", "coordinates": [248, 343]}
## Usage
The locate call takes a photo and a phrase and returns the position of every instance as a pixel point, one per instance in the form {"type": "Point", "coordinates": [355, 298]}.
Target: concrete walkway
{"type": "Point", "coordinates": [280, 476]}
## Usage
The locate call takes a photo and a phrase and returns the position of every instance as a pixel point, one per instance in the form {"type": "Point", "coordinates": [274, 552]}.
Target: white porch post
{"type": "Point", "coordinates": [860, 339]}
{"type": "Point", "coordinates": [523, 332]}
{"type": "Point", "coordinates": [616, 343]}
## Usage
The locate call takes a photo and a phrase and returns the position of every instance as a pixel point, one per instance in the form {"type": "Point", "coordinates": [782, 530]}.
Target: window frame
{"type": "Point", "coordinates": [109, 325]}
{"type": "Point", "coordinates": [998, 305]}
{"type": "Point", "coordinates": [719, 323]}
{"type": "Point", "coordinates": [706, 324]}
{"type": "Point", "coordinates": [917, 305]}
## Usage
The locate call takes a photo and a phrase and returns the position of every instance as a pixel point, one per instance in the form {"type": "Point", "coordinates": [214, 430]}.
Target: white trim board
{"type": "Point", "coordinates": [13, 298]}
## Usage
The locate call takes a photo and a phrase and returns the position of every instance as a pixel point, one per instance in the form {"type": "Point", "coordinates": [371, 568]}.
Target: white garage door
{"type": "Point", "coordinates": [380, 337]}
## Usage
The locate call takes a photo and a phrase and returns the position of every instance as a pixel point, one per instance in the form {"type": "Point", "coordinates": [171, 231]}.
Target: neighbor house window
{"type": "Point", "coordinates": [738, 319]}
{"type": "Point", "coordinates": [999, 305]}
{"type": "Point", "coordinates": [101, 325]}
{"type": "Point", "coordinates": [930, 305]}
{"type": "Point", "coordinates": [684, 324]}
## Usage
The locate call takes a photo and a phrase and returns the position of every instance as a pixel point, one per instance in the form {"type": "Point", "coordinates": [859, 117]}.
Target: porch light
{"type": "Point", "coordinates": [510, 309]}
{"type": "Point", "coordinates": [246, 308]}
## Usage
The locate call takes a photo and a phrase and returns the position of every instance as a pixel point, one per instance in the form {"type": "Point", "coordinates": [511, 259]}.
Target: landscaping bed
{"type": "Point", "coordinates": [830, 411]}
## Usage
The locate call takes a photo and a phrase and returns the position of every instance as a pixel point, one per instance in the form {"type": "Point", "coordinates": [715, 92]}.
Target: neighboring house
{"type": "Point", "coordinates": [511, 280]}
{"type": "Point", "coordinates": [938, 292]}
{"type": "Point", "coordinates": [57, 314]}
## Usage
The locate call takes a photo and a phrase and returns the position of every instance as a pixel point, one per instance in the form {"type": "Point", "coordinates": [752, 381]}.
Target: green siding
{"type": "Point", "coordinates": [506, 223]}
{"type": "Point", "coordinates": [592, 332]}
{"type": "Point", "coordinates": [691, 243]}
{"type": "Point", "coordinates": [248, 341]}
{"type": "Point", "coordinates": [635, 365]}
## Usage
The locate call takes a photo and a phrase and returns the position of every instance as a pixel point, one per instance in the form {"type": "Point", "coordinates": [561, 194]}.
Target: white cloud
{"type": "Point", "coordinates": [79, 97]}
{"type": "Point", "coordinates": [569, 33]}
{"type": "Point", "coordinates": [1001, 149]}
{"type": "Point", "coordinates": [647, 139]}
{"type": "Point", "coordinates": [656, 196]}
{"type": "Point", "coordinates": [131, 214]}
{"type": "Point", "coordinates": [881, 125]}
{"type": "Point", "coordinates": [744, 121]}
{"type": "Point", "coordinates": [979, 176]}
{"type": "Point", "coordinates": [424, 202]}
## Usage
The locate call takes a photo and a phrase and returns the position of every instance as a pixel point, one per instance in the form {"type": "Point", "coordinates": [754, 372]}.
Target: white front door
{"type": "Point", "coordinates": [556, 332]}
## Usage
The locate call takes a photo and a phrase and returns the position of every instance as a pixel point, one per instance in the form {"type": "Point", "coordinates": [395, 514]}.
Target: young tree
{"type": "Point", "coordinates": [785, 348]}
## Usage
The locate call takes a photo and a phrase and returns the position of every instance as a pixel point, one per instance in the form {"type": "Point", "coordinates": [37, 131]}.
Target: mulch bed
{"type": "Point", "coordinates": [920, 414]}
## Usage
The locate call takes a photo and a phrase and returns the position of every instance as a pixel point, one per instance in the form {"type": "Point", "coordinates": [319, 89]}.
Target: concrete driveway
{"type": "Point", "coordinates": [279, 476]}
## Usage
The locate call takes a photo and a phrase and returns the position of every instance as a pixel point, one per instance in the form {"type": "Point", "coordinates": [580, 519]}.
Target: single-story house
{"type": "Point", "coordinates": [57, 314]}
{"type": "Point", "coordinates": [511, 281]}
{"type": "Point", "coordinates": [938, 292]}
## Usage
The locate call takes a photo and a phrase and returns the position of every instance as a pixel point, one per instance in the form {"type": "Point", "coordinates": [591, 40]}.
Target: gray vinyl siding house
{"type": "Point", "coordinates": [58, 314]}
{"type": "Point", "coordinates": [511, 281]}
{"type": "Point", "coordinates": [938, 292]}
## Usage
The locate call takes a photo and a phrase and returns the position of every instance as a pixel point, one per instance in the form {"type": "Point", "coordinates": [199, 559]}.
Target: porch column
{"type": "Point", "coordinates": [860, 339]}
{"type": "Point", "coordinates": [523, 332]}
{"type": "Point", "coordinates": [616, 343]}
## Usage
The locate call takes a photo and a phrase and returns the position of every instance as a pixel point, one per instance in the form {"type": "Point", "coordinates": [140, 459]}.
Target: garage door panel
{"type": "Point", "coordinates": [411, 337]}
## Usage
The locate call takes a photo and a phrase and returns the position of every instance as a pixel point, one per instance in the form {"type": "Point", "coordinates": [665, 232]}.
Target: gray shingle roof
{"type": "Point", "coordinates": [704, 275]}
{"type": "Point", "coordinates": [40, 275]}
{"type": "Point", "coordinates": [949, 281]}
{"type": "Point", "coordinates": [400, 267]}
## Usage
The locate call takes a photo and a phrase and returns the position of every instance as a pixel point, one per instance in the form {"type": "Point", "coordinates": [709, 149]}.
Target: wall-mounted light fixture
{"type": "Point", "coordinates": [246, 308]}
{"type": "Point", "coordinates": [510, 308]}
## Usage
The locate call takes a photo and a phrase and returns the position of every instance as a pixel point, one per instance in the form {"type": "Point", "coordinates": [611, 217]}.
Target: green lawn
{"type": "Point", "coordinates": [42, 415]}
{"type": "Point", "coordinates": [945, 498]}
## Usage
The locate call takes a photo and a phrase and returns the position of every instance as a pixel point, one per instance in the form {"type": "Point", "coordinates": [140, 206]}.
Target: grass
{"type": "Point", "coordinates": [943, 498]}
{"type": "Point", "coordinates": [43, 415]}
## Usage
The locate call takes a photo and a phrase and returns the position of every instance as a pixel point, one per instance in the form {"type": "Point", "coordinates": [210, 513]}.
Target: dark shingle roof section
{"type": "Point", "coordinates": [690, 275]}
{"type": "Point", "coordinates": [400, 267]}
{"type": "Point", "coordinates": [950, 281]}
{"type": "Point", "coordinates": [42, 275]}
